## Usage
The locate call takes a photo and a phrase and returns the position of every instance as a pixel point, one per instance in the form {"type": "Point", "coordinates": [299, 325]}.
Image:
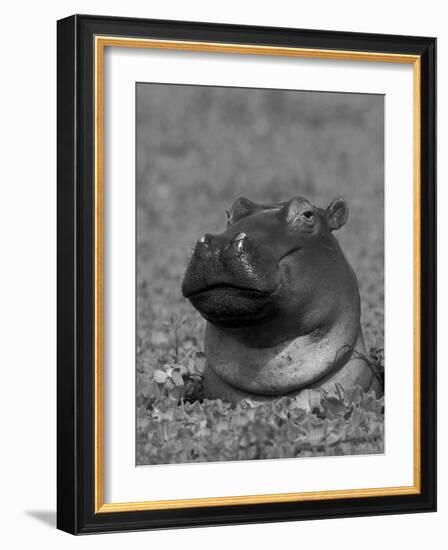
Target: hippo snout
{"type": "Point", "coordinates": [227, 279]}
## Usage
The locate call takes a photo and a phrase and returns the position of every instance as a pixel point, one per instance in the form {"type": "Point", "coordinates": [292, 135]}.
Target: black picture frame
{"type": "Point", "coordinates": [76, 512]}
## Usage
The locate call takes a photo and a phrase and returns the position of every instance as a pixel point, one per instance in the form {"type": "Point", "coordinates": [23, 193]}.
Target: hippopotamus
{"type": "Point", "coordinates": [281, 302]}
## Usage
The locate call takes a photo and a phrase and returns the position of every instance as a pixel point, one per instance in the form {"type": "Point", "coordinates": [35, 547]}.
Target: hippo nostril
{"type": "Point", "coordinates": [239, 241]}
{"type": "Point", "coordinates": [202, 248]}
{"type": "Point", "coordinates": [240, 236]}
{"type": "Point", "coordinates": [206, 240]}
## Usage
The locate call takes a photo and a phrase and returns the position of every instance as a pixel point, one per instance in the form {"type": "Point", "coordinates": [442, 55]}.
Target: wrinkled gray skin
{"type": "Point", "coordinates": [281, 301]}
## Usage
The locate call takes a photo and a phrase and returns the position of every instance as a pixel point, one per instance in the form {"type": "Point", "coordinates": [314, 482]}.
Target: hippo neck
{"type": "Point", "coordinates": [292, 365]}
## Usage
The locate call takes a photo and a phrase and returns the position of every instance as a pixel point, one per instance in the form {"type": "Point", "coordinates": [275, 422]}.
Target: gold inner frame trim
{"type": "Point", "coordinates": [101, 42]}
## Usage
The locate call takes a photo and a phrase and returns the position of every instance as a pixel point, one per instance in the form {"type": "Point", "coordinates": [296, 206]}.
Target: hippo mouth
{"type": "Point", "coordinates": [230, 305]}
{"type": "Point", "coordinates": [227, 287]}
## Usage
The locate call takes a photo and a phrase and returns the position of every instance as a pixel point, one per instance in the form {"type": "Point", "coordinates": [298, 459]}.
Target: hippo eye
{"type": "Point", "coordinates": [308, 216]}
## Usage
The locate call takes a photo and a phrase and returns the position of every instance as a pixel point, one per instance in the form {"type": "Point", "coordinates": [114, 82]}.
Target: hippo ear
{"type": "Point", "coordinates": [241, 208]}
{"type": "Point", "coordinates": [336, 214]}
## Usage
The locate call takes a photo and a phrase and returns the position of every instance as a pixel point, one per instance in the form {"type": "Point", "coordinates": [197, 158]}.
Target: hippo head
{"type": "Point", "coordinates": [275, 273]}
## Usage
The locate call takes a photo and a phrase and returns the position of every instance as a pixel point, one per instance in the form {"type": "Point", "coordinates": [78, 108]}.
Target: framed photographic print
{"type": "Point", "coordinates": [246, 274]}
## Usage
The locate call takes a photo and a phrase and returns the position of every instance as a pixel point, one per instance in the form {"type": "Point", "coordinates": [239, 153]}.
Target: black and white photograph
{"type": "Point", "coordinates": [259, 274]}
{"type": "Point", "coordinates": [220, 265]}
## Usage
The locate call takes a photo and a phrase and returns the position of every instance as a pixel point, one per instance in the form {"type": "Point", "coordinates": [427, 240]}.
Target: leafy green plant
{"type": "Point", "coordinates": [339, 423]}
